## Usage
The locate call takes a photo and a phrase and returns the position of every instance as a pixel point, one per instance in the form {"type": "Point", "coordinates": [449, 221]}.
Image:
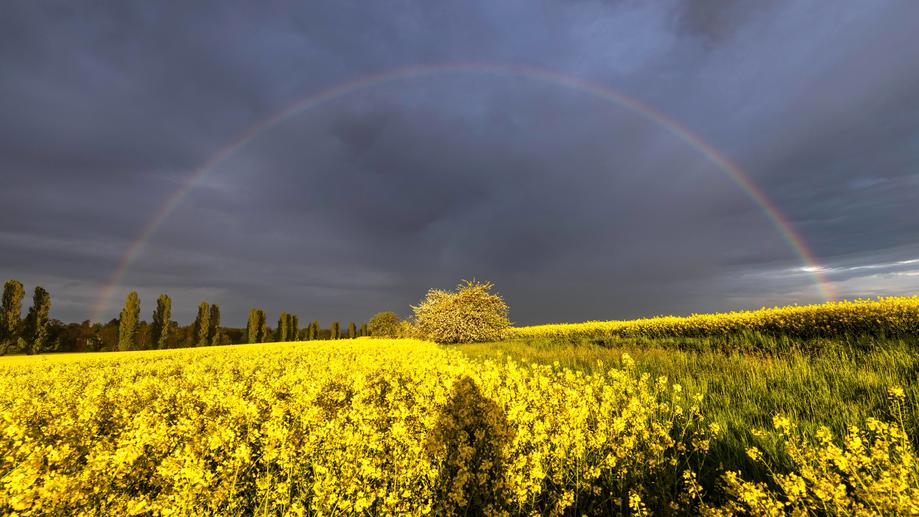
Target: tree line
{"type": "Point", "coordinates": [37, 333]}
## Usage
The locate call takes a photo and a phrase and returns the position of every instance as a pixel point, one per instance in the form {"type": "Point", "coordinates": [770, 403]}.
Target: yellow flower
{"type": "Point", "coordinates": [896, 392]}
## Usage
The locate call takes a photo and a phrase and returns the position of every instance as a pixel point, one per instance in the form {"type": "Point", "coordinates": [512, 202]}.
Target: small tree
{"type": "Point", "coordinates": [470, 314]}
{"type": "Point", "coordinates": [281, 332]}
{"type": "Point", "coordinates": [202, 325]}
{"type": "Point", "coordinates": [11, 313]}
{"type": "Point", "coordinates": [383, 324]}
{"type": "Point", "coordinates": [352, 330]}
{"type": "Point", "coordinates": [293, 328]}
{"type": "Point", "coordinates": [335, 330]}
{"type": "Point", "coordinates": [406, 330]}
{"type": "Point", "coordinates": [215, 334]}
{"type": "Point", "coordinates": [252, 327]}
{"type": "Point", "coordinates": [314, 330]}
{"type": "Point", "coordinates": [38, 322]}
{"type": "Point", "coordinates": [161, 319]}
{"type": "Point", "coordinates": [127, 323]}
{"type": "Point", "coordinates": [264, 333]}
{"type": "Point", "coordinates": [363, 330]}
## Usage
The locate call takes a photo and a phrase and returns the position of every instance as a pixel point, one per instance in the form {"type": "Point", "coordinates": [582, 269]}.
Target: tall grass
{"type": "Point", "coordinates": [833, 383]}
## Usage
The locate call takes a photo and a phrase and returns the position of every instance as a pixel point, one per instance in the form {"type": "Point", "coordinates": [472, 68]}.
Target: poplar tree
{"type": "Point", "coordinates": [336, 330]}
{"type": "Point", "coordinates": [252, 327]}
{"type": "Point", "coordinates": [352, 330]}
{"type": "Point", "coordinates": [11, 312]}
{"type": "Point", "coordinates": [264, 334]}
{"type": "Point", "coordinates": [281, 332]}
{"type": "Point", "coordinates": [314, 330]}
{"type": "Point", "coordinates": [127, 323]}
{"type": "Point", "coordinates": [38, 321]}
{"type": "Point", "coordinates": [214, 332]}
{"type": "Point", "coordinates": [202, 327]}
{"type": "Point", "coordinates": [364, 330]}
{"type": "Point", "coordinates": [161, 320]}
{"type": "Point", "coordinates": [293, 328]}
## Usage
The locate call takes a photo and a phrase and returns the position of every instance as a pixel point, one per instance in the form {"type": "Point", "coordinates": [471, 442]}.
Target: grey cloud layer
{"type": "Point", "coordinates": [576, 208]}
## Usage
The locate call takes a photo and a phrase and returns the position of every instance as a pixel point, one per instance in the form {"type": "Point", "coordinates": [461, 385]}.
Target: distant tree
{"type": "Point", "coordinates": [264, 333]}
{"type": "Point", "coordinates": [37, 322]}
{"type": "Point", "coordinates": [202, 325]}
{"type": "Point", "coordinates": [293, 328]}
{"type": "Point", "coordinates": [352, 330]}
{"type": "Point", "coordinates": [73, 337]}
{"type": "Point", "coordinates": [108, 335]}
{"type": "Point", "coordinates": [142, 336]}
{"type": "Point", "coordinates": [232, 336]}
{"type": "Point", "coordinates": [334, 330]}
{"type": "Point", "coordinates": [472, 313]}
{"type": "Point", "coordinates": [314, 330]}
{"type": "Point", "coordinates": [127, 323]}
{"type": "Point", "coordinates": [160, 325]}
{"type": "Point", "coordinates": [214, 334]}
{"type": "Point", "coordinates": [383, 324]}
{"type": "Point", "coordinates": [11, 314]}
{"type": "Point", "coordinates": [363, 331]}
{"type": "Point", "coordinates": [252, 327]}
{"type": "Point", "coordinates": [281, 332]}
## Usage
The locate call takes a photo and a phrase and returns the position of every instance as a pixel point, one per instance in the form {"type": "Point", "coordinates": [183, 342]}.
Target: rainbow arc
{"type": "Point", "coordinates": [735, 173]}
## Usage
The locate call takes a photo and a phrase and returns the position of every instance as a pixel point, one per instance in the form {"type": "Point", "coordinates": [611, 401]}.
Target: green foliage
{"type": "Point", "coordinates": [363, 330]}
{"type": "Point", "coordinates": [314, 330]}
{"type": "Point", "coordinates": [406, 330]}
{"type": "Point", "coordinates": [383, 324]}
{"type": "Point", "coordinates": [281, 332]}
{"type": "Point", "coordinates": [202, 325]}
{"type": "Point", "coordinates": [335, 330]}
{"type": "Point", "coordinates": [161, 321]}
{"type": "Point", "coordinates": [352, 330]}
{"type": "Point", "coordinates": [293, 328]}
{"type": "Point", "coordinates": [11, 314]}
{"type": "Point", "coordinates": [215, 335]}
{"type": "Point", "coordinates": [837, 385]}
{"type": "Point", "coordinates": [470, 314]}
{"type": "Point", "coordinates": [264, 333]}
{"type": "Point", "coordinates": [37, 322]}
{"type": "Point", "coordinates": [127, 323]}
{"type": "Point", "coordinates": [252, 327]}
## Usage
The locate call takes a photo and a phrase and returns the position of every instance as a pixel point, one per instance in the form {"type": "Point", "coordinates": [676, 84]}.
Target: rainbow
{"type": "Point", "coordinates": [775, 216]}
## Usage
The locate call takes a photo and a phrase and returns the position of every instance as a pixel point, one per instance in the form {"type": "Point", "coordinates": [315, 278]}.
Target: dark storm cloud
{"type": "Point", "coordinates": [575, 207]}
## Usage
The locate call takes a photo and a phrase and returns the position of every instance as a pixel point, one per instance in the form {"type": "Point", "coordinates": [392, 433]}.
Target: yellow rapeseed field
{"type": "Point", "coordinates": [390, 427]}
{"type": "Point", "coordinates": [890, 317]}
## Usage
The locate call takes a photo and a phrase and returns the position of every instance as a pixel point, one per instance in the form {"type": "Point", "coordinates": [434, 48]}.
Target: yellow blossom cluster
{"type": "Point", "coordinates": [318, 428]}
{"type": "Point", "coordinates": [890, 317]}
{"type": "Point", "coordinates": [874, 471]}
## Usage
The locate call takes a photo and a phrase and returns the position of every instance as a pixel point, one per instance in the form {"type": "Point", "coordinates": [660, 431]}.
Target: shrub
{"type": "Point", "coordinates": [405, 330]}
{"type": "Point", "coordinates": [470, 314]}
{"type": "Point", "coordinates": [384, 324]}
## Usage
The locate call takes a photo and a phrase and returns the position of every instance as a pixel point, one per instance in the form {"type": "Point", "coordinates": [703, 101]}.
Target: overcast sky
{"type": "Point", "coordinates": [576, 208]}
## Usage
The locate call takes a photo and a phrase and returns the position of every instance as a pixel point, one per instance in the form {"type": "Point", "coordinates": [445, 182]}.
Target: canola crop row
{"type": "Point", "coordinates": [369, 426]}
{"type": "Point", "coordinates": [890, 317]}
{"type": "Point", "coordinates": [396, 427]}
